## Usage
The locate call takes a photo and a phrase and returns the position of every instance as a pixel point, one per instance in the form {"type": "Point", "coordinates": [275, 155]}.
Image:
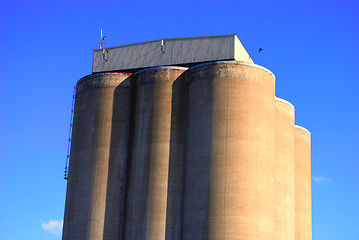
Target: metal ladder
{"type": "Point", "coordinates": [66, 176]}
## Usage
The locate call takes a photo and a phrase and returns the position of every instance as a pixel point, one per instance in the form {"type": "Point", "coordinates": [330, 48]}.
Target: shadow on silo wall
{"type": "Point", "coordinates": [119, 155]}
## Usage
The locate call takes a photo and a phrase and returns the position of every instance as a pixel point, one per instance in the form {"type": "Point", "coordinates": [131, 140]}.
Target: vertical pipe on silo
{"type": "Point", "coordinates": [149, 154]}
{"type": "Point", "coordinates": [303, 206]}
{"type": "Point", "coordinates": [230, 148]}
{"type": "Point", "coordinates": [284, 208]}
{"type": "Point", "coordinates": [90, 147]}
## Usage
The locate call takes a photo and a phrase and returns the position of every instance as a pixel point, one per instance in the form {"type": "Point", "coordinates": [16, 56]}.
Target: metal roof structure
{"type": "Point", "coordinates": [170, 52]}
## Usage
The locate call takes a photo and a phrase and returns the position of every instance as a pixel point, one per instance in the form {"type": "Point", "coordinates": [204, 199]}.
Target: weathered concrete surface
{"type": "Point", "coordinates": [120, 142]}
{"type": "Point", "coordinates": [228, 151]}
{"type": "Point", "coordinates": [176, 159]}
{"type": "Point", "coordinates": [241, 183]}
{"type": "Point", "coordinates": [88, 172]}
{"type": "Point", "coordinates": [149, 154]}
{"type": "Point", "coordinates": [204, 153]}
{"type": "Point", "coordinates": [303, 200]}
{"type": "Point", "coordinates": [284, 209]}
{"type": "Point", "coordinates": [197, 155]}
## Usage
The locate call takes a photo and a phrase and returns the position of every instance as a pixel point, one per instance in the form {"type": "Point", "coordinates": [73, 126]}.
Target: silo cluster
{"type": "Point", "coordinates": [207, 152]}
{"type": "Point", "coordinates": [185, 139]}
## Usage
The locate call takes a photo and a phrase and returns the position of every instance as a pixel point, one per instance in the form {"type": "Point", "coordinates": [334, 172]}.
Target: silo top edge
{"type": "Point", "coordinates": [284, 101]}
{"type": "Point", "coordinates": [162, 67]}
{"type": "Point", "coordinates": [103, 74]}
{"type": "Point", "coordinates": [233, 62]}
{"type": "Point", "coordinates": [302, 128]}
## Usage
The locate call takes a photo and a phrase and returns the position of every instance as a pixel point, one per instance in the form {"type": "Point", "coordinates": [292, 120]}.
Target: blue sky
{"type": "Point", "coordinates": [311, 46]}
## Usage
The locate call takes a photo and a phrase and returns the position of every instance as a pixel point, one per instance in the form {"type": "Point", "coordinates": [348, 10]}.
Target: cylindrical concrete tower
{"type": "Point", "coordinates": [119, 154]}
{"type": "Point", "coordinates": [303, 204]}
{"type": "Point", "coordinates": [284, 208]}
{"type": "Point", "coordinates": [90, 148]}
{"type": "Point", "coordinates": [197, 155]}
{"type": "Point", "coordinates": [177, 157]}
{"type": "Point", "coordinates": [146, 202]}
{"type": "Point", "coordinates": [228, 192]}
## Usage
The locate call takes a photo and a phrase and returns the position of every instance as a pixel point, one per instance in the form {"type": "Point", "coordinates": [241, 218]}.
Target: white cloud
{"type": "Point", "coordinates": [53, 227]}
{"type": "Point", "coordinates": [321, 179]}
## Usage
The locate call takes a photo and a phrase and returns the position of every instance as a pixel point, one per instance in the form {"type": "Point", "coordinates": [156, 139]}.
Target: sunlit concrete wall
{"type": "Point", "coordinates": [284, 201]}
{"type": "Point", "coordinates": [303, 200]}
{"type": "Point", "coordinates": [228, 154]}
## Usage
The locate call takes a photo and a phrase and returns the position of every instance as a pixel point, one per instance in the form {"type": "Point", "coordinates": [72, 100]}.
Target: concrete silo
{"type": "Point", "coordinates": [303, 200]}
{"type": "Point", "coordinates": [90, 148]}
{"type": "Point", "coordinates": [284, 202]}
{"type": "Point", "coordinates": [241, 182]}
{"type": "Point", "coordinates": [146, 200]}
{"type": "Point", "coordinates": [117, 170]}
{"type": "Point", "coordinates": [176, 159]}
{"type": "Point", "coordinates": [228, 152]}
{"type": "Point", "coordinates": [182, 139]}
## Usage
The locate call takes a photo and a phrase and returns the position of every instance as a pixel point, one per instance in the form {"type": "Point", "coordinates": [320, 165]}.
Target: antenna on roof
{"type": "Point", "coordinates": [102, 40]}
